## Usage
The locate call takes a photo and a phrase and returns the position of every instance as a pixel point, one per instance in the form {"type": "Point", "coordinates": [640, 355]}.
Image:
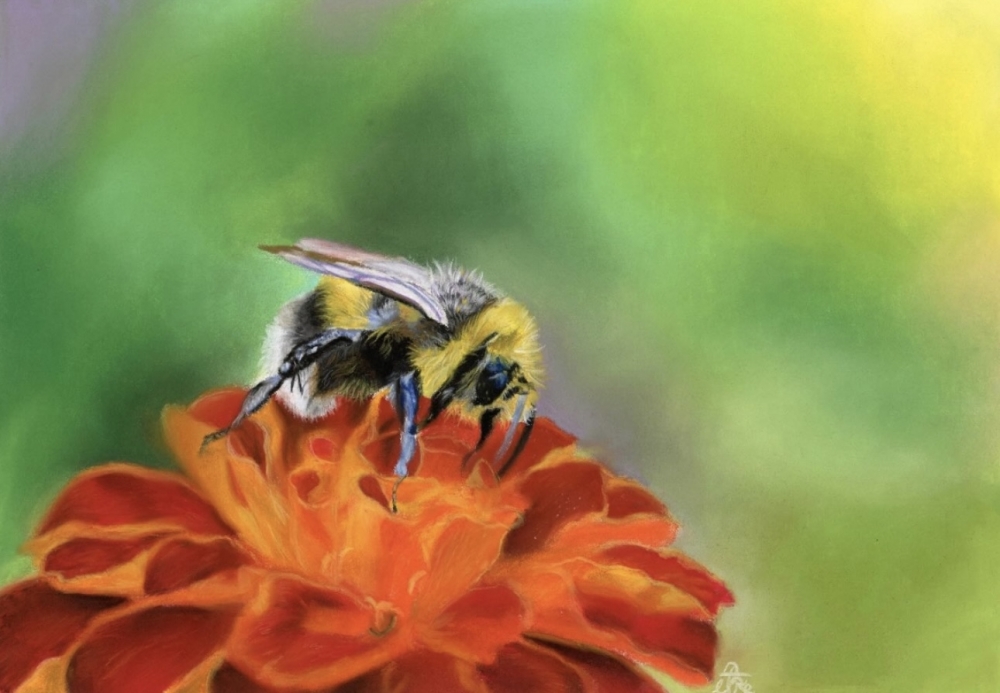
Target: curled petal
{"type": "Point", "coordinates": [37, 622]}
{"type": "Point", "coordinates": [150, 650]}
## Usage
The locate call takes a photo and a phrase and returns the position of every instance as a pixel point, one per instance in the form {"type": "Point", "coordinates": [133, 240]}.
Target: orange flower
{"type": "Point", "coordinates": [278, 565]}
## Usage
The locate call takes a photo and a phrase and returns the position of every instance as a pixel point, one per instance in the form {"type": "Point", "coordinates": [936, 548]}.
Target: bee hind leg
{"type": "Point", "coordinates": [298, 359]}
{"type": "Point", "coordinates": [256, 398]}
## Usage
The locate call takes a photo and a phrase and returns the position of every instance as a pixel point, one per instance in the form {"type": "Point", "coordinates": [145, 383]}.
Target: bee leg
{"type": "Point", "coordinates": [486, 422]}
{"type": "Point", "coordinates": [522, 441]}
{"type": "Point", "coordinates": [297, 360]}
{"type": "Point", "coordinates": [255, 399]}
{"type": "Point", "coordinates": [407, 391]}
{"type": "Point", "coordinates": [515, 419]}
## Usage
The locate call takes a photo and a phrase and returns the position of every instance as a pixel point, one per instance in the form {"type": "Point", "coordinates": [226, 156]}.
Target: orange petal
{"type": "Point", "coordinates": [312, 637]}
{"type": "Point", "coordinates": [619, 609]}
{"type": "Point", "coordinates": [674, 568]}
{"type": "Point", "coordinates": [478, 624]}
{"type": "Point", "coordinates": [180, 562]}
{"type": "Point", "coordinates": [557, 495]}
{"type": "Point", "coordinates": [587, 534]}
{"type": "Point", "coordinates": [522, 667]}
{"type": "Point", "coordinates": [121, 494]}
{"type": "Point", "coordinates": [462, 553]}
{"type": "Point", "coordinates": [236, 485]}
{"type": "Point", "coordinates": [37, 622]}
{"type": "Point", "coordinates": [147, 651]}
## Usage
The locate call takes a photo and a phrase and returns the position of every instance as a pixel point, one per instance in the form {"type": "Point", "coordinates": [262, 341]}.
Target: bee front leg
{"type": "Point", "coordinates": [298, 359]}
{"type": "Point", "coordinates": [407, 396]}
{"type": "Point", "coordinates": [486, 422]}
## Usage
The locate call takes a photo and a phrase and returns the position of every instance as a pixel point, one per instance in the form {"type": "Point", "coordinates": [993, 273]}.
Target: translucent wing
{"type": "Point", "coordinates": [396, 277]}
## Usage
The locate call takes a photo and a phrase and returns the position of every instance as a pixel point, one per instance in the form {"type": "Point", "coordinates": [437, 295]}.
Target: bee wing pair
{"type": "Point", "coordinates": [395, 277]}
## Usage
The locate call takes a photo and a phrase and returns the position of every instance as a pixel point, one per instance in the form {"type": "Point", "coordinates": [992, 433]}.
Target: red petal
{"type": "Point", "coordinates": [521, 668]}
{"type": "Point", "coordinates": [147, 651]}
{"type": "Point", "coordinates": [675, 569]}
{"type": "Point", "coordinates": [479, 623]}
{"type": "Point", "coordinates": [441, 447]}
{"type": "Point", "coordinates": [370, 486]}
{"type": "Point", "coordinates": [687, 640]}
{"type": "Point", "coordinates": [37, 622]}
{"type": "Point", "coordinates": [181, 562]}
{"type": "Point", "coordinates": [229, 679]}
{"type": "Point", "coordinates": [89, 556]}
{"type": "Point", "coordinates": [382, 453]}
{"type": "Point", "coordinates": [371, 682]}
{"type": "Point", "coordinates": [604, 673]}
{"type": "Point", "coordinates": [218, 409]}
{"type": "Point", "coordinates": [557, 495]}
{"type": "Point", "coordinates": [119, 495]}
{"type": "Point", "coordinates": [248, 440]}
{"type": "Point", "coordinates": [305, 482]}
{"type": "Point", "coordinates": [631, 499]}
{"type": "Point", "coordinates": [422, 671]}
{"type": "Point", "coordinates": [280, 631]}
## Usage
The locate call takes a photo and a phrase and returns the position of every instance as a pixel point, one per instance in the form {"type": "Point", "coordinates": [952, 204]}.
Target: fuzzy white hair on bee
{"type": "Point", "coordinates": [384, 324]}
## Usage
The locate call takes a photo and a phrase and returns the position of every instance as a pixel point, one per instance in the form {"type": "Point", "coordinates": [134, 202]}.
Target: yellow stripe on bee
{"type": "Point", "coordinates": [516, 341]}
{"type": "Point", "coordinates": [345, 304]}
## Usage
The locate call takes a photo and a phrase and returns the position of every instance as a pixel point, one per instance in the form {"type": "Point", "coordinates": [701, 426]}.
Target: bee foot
{"type": "Point", "coordinates": [211, 438]}
{"type": "Point", "coordinates": [395, 488]}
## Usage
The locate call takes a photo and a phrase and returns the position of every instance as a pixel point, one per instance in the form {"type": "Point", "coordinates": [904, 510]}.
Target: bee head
{"type": "Point", "coordinates": [493, 362]}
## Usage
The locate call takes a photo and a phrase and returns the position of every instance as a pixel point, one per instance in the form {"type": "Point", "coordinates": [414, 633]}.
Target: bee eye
{"type": "Point", "coordinates": [492, 382]}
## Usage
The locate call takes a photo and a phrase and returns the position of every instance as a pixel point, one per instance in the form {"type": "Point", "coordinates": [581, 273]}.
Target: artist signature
{"type": "Point", "coordinates": [732, 680]}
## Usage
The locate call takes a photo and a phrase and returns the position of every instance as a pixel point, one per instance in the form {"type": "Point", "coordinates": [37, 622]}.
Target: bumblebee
{"type": "Point", "coordinates": [375, 323]}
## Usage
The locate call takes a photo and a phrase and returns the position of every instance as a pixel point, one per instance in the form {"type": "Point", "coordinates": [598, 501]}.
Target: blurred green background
{"type": "Point", "coordinates": [761, 238]}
